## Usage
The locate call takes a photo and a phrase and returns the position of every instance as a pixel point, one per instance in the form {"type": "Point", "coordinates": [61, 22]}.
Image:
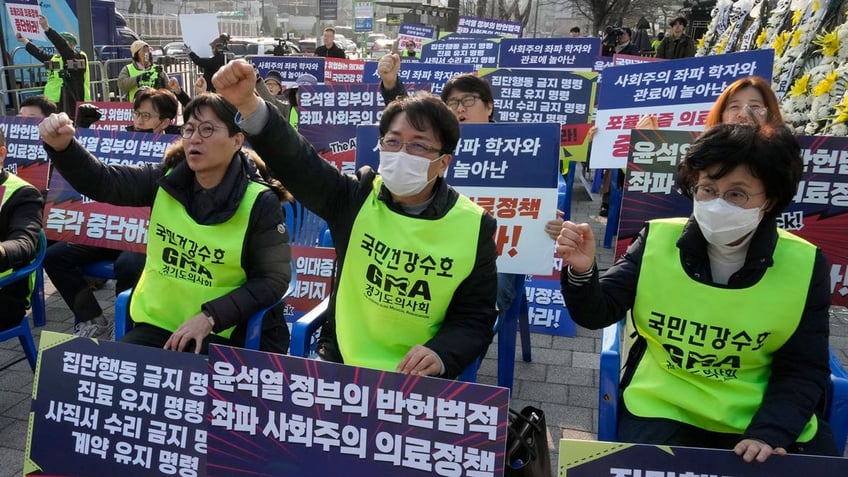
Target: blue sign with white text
{"type": "Point", "coordinates": [567, 53]}
{"type": "Point", "coordinates": [414, 72]}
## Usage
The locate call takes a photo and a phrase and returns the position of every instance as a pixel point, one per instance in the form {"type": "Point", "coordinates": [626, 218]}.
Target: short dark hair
{"type": "Point", "coordinates": [575, 29]}
{"type": "Point", "coordinates": [222, 108]}
{"type": "Point", "coordinates": [627, 30]}
{"type": "Point", "coordinates": [164, 102]}
{"type": "Point", "coordinates": [40, 101]}
{"type": "Point", "coordinates": [469, 83]}
{"type": "Point", "coordinates": [682, 20]}
{"type": "Point", "coordinates": [770, 152]}
{"type": "Point", "coordinates": [424, 109]}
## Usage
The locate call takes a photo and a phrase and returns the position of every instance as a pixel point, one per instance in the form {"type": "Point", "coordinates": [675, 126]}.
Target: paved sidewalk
{"type": "Point", "coordinates": [561, 380]}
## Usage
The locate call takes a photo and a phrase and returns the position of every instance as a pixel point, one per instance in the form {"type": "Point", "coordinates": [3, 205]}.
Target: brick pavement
{"type": "Point", "coordinates": [562, 379]}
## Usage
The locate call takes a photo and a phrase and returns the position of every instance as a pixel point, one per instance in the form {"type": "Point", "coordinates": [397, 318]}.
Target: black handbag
{"type": "Point", "coordinates": [527, 453]}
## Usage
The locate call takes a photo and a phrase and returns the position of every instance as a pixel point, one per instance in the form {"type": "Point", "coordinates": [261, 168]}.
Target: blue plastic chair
{"type": "Point", "coordinates": [836, 410]}
{"type": "Point", "coordinates": [304, 338]}
{"type": "Point", "coordinates": [22, 331]}
{"type": "Point", "coordinates": [306, 228]}
{"type": "Point", "coordinates": [104, 269]}
{"type": "Point", "coordinates": [515, 318]}
{"type": "Point", "coordinates": [123, 322]}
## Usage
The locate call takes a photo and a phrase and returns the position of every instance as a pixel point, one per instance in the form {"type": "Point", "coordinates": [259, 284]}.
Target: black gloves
{"type": "Point", "coordinates": [144, 76]}
{"type": "Point", "coordinates": [87, 114]}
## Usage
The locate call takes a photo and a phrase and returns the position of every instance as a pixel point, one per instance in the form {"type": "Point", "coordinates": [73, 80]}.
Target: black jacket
{"type": "Point", "coordinates": [210, 66]}
{"type": "Point", "coordinates": [20, 224]}
{"type": "Point", "coordinates": [337, 198]}
{"type": "Point", "coordinates": [671, 49]}
{"type": "Point", "coordinates": [266, 254]}
{"type": "Point", "coordinates": [800, 369]}
{"type": "Point", "coordinates": [332, 52]}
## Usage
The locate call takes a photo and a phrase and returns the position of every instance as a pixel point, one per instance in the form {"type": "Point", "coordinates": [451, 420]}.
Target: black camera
{"type": "Point", "coordinates": [610, 40]}
{"type": "Point", "coordinates": [223, 42]}
{"type": "Point", "coordinates": [282, 47]}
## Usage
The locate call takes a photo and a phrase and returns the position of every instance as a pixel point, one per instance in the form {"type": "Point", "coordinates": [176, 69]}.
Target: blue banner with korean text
{"type": "Point", "coordinates": [565, 53]}
{"type": "Point", "coordinates": [102, 409]}
{"type": "Point", "coordinates": [25, 156]}
{"type": "Point", "coordinates": [71, 217]}
{"type": "Point", "coordinates": [329, 115]}
{"type": "Point", "coordinates": [417, 31]}
{"type": "Point", "coordinates": [579, 458]}
{"type": "Point", "coordinates": [511, 171]}
{"type": "Point", "coordinates": [488, 26]}
{"type": "Point", "coordinates": [285, 416]}
{"type": "Point", "coordinates": [290, 67]}
{"type": "Point", "coordinates": [523, 95]}
{"type": "Point", "coordinates": [680, 93]}
{"type": "Point", "coordinates": [818, 212]}
{"type": "Point", "coordinates": [432, 73]}
{"type": "Point", "coordinates": [480, 53]}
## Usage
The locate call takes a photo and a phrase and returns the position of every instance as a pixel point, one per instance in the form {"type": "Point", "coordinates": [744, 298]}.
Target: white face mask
{"type": "Point", "coordinates": [723, 223]}
{"type": "Point", "coordinates": [404, 174]}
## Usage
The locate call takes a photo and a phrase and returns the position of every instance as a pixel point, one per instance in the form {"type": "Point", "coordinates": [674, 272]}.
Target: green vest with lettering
{"type": "Point", "coordinates": [189, 264]}
{"type": "Point", "coordinates": [398, 278]}
{"type": "Point", "coordinates": [150, 82]}
{"type": "Point", "coordinates": [709, 349]}
{"type": "Point", "coordinates": [53, 86]}
{"type": "Point", "coordinates": [13, 184]}
{"type": "Point", "coordinates": [293, 117]}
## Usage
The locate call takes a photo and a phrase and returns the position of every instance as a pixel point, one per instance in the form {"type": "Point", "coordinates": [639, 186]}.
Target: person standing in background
{"type": "Point", "coordinates": [678, 44]}
{"type": "Point", "coordinates": [67, 79]}
{"type": "Point", "coordinates": [329, 48]}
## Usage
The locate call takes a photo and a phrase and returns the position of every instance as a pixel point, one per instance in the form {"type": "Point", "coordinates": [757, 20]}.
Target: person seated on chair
{"type": "Point", "coordinates": [153, 112]}
{"type": "Point", "coordinates": [21, 208]}
{"type": "Point", "coordinates": [470, 99]}
{"type": "Point", "coordinates": [411, 318]}
{"type": "Point", "coordinates": [217, 249]}
{"type": "Point", "coordinates": [730, 312]}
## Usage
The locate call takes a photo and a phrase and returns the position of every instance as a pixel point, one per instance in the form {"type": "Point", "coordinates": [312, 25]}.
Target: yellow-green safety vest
{"type": "Point", "coordinates": [189, 264]}
{"type": "Point", "coordinates": [53, 87]}
{"type": "Point", "coordinates": [709, 349]}
{"type": "Point", "coordinates": [13, 184]}
{"type": "Point", "coordinates": [399, 276]}
{"type": "Point", "coordinates": [150, 82]}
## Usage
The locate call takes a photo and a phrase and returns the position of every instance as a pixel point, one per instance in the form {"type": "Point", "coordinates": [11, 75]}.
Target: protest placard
{"type": "Point", "coordinates": [25, 156]}
{"type": "Point", "coordinates": [679, 92]}
{"type": "Point", "coordinates": [287, 416]}
{"type": "Point", "coordinates": [566, 53]}
{"type": "Point", "coordinates": [102, 409]}
{"type": "Point", "coordinates": [616, 459]}
{"type": "Point", "coordinates": [71, 217]}
{"type": "Point", "coordinates": [488, 26]}
{"type": "Point", "coordinates": [23, 17]}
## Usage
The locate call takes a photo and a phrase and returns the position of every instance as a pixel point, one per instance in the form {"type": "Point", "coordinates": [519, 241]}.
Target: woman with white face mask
{"type": "Point", "coordinates": [731, 313]}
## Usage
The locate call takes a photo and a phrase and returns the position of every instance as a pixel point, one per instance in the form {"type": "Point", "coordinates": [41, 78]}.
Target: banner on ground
{"type": "Point", "coordinates": [281, 415]}
{"type": "Point", "coordinates": [592, 458]}
{"type": "Point", "coordinates": [116, 409]}
{"type": "Point", "coordinates": [488, 26]}
{"type": "Point", "coordinates": [679, 92]}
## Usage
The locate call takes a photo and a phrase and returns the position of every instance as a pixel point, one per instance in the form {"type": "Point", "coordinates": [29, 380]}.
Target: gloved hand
{"type": "Point", "coordinates": [87, 114]}
{"type": "Point", "coordinates": [144, 76]}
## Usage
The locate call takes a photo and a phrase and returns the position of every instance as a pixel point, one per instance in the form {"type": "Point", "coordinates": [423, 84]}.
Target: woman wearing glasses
{"type": "Point", "coordinates": [731, 313]}
{"type": "Point", "coordinates": [416, 288]}
{"type": "Point", "coordinates": [217, 249]}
